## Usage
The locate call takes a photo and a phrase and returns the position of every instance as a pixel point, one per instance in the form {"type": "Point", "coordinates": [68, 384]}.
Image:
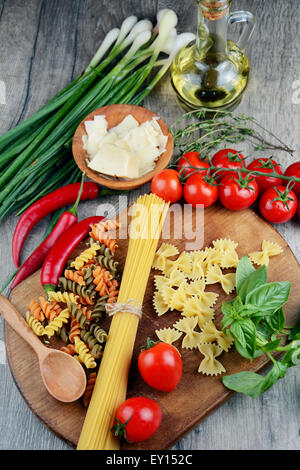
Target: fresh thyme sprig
{"type": "Point", "coordinates": [205, 135]}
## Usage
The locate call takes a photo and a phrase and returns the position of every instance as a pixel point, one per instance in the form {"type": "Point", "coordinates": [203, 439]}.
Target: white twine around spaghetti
{"type": "Point", "coordinates": [127, 307]}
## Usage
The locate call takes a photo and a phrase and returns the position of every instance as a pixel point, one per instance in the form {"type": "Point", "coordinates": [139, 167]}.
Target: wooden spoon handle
{"type": "Point", "coordinates": [17, 322]}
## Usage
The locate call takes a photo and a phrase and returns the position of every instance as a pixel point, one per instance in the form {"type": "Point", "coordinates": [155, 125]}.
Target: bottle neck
{"type": "Point", "coordinates": [213, 19]}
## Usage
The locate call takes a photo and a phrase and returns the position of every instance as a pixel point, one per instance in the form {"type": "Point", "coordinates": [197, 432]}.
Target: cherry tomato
{"type": "Point", "coordinates": [198, 191]}
{"type": "Point", "coordinates": [189, 161]}
{"type": "Point", "coordinates": [238, 194]}
{"type": "Point", "coordinates": [166, 185]}
{"type": "Point", "coordinates": [160, 366]}
{"type": "Point", "coordinates": [137, 419]}
{"type": "Point", "coordinates": [294, 170]}
{"type": "Point", "coordinates": [228, 158]}
{"type": "Point", "coordinates": [278, 205]}
{"type": "Point", "coordinates": [265, 166]}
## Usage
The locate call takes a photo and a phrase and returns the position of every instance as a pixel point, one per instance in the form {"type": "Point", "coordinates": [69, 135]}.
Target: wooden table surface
{"type": "Point", "coordinates": [43, 45]}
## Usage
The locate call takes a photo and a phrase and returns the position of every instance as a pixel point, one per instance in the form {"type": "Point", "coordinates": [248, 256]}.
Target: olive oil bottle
{"type": "Point", "coordinates": [213, 72]}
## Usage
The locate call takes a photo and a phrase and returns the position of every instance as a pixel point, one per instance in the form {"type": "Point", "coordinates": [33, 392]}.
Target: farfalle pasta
{"type": "Point", "coordinates": [210, 334]}
{"type": "Point", "coordinates": [263, 257]}
{"type": "Point", "coordinates": [165, 251]}
{"type": "Point", "coordinates": [168, 335]}
{"type": "Point", "coordinates": [215, 275]}
{"type": "Point", "coordinates": [192, 309]}
{"type": "Point", "coordinates": [210, 365]}
{"type": "Point", "coordinates": [187, 326]}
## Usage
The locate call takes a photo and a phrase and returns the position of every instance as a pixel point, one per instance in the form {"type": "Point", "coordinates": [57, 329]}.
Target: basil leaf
{"type": "Point", "coordinates": [227, 307]}
{"type": "Point", "coordinates": [294, 331]}
{"type": "Point", "coordinates": [292, 356]}
{"type": "Point", "coordinates": [244, 335]}
{"type": "Point", "coordinates": [278, 371]}
{"type": "Point", "coordinates": [252, 384]}
{"type": "Point", "coordinates": [276, 321]}
{"type": "Point", "coordinates": [246, 382]}
{"type": "Point", "coordinates": [269, 297]}
{"type": "Point", "coordinates": [272, 345]}
{"type": "Point", "coordinates": [255, 279]}
{"type": "Point", "coordinates": [243, 271]}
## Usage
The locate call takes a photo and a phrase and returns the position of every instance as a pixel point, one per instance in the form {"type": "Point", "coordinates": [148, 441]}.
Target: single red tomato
{"type": "Point", "coordinates": [265, 166]}
{"type": "Point", "coordinates": [166, 185]}
{"type": "Point", "coordinates": [198, 190]}
{"type": "Point", "coordinates": [189, 162]}
{"type": "Point", "coordinates": [137, 419]}
{"type": "Point", "coordinates": [160, 366]}
{"type": "Point", "coordinates": [278, 205]}
{"type": "Point", "coordinates": [294, 170]}
{"type": "Point", "coordinates": [237, 194]}
{"type": "Point", "coordinates": [228, 158]}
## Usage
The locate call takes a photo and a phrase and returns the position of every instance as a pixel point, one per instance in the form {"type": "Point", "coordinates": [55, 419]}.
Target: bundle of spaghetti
{"type": "Point", "coordinates": [36, 310]}
{"type": "Point", "coordinates": [148, 214]}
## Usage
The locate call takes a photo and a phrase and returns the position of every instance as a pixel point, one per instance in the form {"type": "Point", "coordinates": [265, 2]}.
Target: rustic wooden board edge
{"type": "Point", "coordinates": [264, 364]}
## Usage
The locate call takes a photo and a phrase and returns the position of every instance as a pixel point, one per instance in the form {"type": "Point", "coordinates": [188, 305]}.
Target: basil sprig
{"type": "Point", "coordinates": [256, 321]}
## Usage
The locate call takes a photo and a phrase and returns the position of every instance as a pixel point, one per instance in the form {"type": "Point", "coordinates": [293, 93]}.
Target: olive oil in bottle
{"type": "Point", "coordinates": [213, 72]}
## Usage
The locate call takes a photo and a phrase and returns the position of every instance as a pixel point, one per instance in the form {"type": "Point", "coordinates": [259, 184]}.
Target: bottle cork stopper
{"type": "Point", "coordinates": [214, 10]}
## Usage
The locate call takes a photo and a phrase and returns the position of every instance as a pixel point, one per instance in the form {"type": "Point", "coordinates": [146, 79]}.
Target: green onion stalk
{"type": "Point", "coordinates": [36, 155]}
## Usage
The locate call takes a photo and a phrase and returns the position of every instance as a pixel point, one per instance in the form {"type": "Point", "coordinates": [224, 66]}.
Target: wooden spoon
{"type": "Point", "coordinates": [63, 376]}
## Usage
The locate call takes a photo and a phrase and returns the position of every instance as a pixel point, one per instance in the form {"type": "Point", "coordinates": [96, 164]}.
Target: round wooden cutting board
{"type": "Point", "coordinates": [197, 395]}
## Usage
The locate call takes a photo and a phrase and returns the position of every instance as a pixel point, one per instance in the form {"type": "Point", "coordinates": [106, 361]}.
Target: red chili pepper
{"type": "Point", "coordinates": [59, 198]}
{"type": "Point", "coordinates": [35, 261]}
{"type": "Point", "coordinates": [59, 254]}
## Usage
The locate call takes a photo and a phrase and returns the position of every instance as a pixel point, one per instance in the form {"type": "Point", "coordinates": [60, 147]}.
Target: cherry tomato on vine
{"type": "Point", "coordinates": [160, 366]}
{"type": "Point", "coordinates": [228, 158]}
{"type": "Point", "coordinates": [238, 193]}
{"type": "Point", "coordinates": [199, 190]}
{"type": "Point", "coordinates": [137, 419]}
{"type": "Point", "coordinates": [166, 185]}
{"type": "Point", "coordinates": [189, 162]}
{"type": "Point", "coordinates": [278, 205]}
{"type": "Point", "coordinates": [265, 166]}
{"type": "Point", "coordinates": [294, 170]}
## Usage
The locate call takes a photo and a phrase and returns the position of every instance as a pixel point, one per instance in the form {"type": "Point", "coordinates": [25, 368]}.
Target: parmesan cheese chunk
{"type": "Point", "coordinates": [128, 150]}
{"type": "Point", "coordinates": [114, 161]}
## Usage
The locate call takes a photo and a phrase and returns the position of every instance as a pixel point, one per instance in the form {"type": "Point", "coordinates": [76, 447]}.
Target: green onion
{"type": "Point", "coordinates": [36, 155]}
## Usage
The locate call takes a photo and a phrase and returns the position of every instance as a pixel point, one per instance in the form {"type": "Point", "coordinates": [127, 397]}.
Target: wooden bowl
{"type": "Point", "coordinates": [114, 114]}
